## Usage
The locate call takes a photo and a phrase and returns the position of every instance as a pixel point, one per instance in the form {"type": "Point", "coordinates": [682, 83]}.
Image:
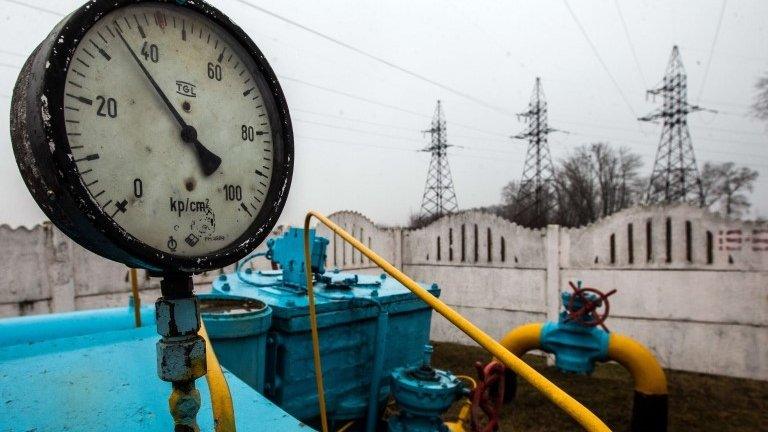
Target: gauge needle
{"type": "Point", "coordinates": [209, 161]}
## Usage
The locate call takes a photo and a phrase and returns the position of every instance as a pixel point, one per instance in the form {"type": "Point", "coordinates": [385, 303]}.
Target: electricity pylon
{"type": "Point", "coordinates": [439, 196]}
{"type": "Point", "coordinates": [536, 195]}
{"type": "Point", "coordinates": [675, 176]}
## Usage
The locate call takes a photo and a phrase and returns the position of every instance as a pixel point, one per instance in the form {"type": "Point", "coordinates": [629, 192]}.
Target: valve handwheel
{"type": "Point", "coordinates": [588, 306]}
{"type": "Point", "coordinates": [488, 397]}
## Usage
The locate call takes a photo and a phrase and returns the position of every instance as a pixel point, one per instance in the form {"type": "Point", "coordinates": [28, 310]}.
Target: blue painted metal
{"type": "Point", "coordinates": [423, 394]}
{"type": "Point", "coordinates": [382, 328]}
{"type": "Point", "coordinates": [238, 333]}
{"type": "Point", "coordinates": [349, 308]}
{"type": "Point", "coordinates": [576, 347]}
{"type": "Point", "coordinates": [107, 381]}
{"type": "Point", "coordinates": [37, 328]}
{"type": "Point", "coordinates": [288, 252]}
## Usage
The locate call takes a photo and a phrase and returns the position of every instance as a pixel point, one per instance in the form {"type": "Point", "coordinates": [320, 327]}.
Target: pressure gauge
{"type": "Point", "coordinates": [154, 133]}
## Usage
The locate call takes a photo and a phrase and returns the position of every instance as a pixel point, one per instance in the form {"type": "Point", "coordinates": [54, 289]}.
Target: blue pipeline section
{"type": "Point", "coordinates": [382, 327]}
{"type": "Point", "coordinates": [576, 346]}
{"type": "Point", "coordinates": [37, 328]}
{"type": "Point", "coordinates": [107, 381]}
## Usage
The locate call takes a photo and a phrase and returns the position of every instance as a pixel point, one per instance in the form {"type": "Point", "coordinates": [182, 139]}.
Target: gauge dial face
{"type": "Point", "coordinates": [169, 128]}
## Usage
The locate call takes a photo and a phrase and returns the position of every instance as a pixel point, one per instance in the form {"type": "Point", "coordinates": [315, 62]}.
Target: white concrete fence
{"type": "Point", "coordinates": [43, 271]}
{"type": "Point", "coordinates": [691, 286]}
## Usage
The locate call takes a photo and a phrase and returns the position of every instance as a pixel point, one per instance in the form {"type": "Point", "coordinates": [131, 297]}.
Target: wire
{"type": "Point", "coordinates": [712, 50]}
{"type": "Point", "coordinates": [37, 8]}
{"type": "Point", "coordinates": [390, 126]}
{"type": "Point", "coordinates": [374, 57]}
{"type": "Point", "coordinates": [352, 96]}
{"type": "Point", "coordinates": [357, 130]}
{"type": "Point", "coordinates": [11, 53]}
{"type": "Point", "coordinates": [381, 104]}
{"type": "Point", "coordinates": [335, 141]}
{"type": "Point", "coordinates": [599, 58]}
{"type": "Point", "coordinates": [631, 45]}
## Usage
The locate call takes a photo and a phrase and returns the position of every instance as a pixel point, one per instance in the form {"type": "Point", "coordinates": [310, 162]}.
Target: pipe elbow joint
{"type": "Point", "coordinates": [522, 339]}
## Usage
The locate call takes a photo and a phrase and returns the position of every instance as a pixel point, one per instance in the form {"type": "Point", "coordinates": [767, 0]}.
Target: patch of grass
{"type": "Point", "coordinates": [697, 402]}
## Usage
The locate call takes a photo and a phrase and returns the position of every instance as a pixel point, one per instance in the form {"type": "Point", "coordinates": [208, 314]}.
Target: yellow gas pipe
{"type": "Point", "coordinates": [463, 420]}
{"type": "Point", "coordinates": [136, 296]}
{"type": "Point", "coordinates": [650, 411]}
{"type": "Point", "coordinates": [221, 398]}
{"type": "Point", "coordinates": [577, 411]}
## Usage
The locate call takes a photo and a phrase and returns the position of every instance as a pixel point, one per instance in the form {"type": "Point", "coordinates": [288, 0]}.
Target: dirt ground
{"type": "Point", "coordinates": [697, 402]}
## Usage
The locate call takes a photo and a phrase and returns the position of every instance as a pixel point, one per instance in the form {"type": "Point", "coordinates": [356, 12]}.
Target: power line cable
{"type": "Point", "coordinates": [712, 50]}
{"type": "Point", "coordinates": [354, 120]}
{"type": "Point", "coordinates": [389, 125]}
{"type": "Point", "coordinates": [35, 7]}
{"type": "Point", "coordinates": [303, 137]}
{"type": "Point", "coordinates": [357, 130]}
{"type": "Point", "coordinates": [631, 45]}
{"type": "Point", "coordinates": [374, 57]}
{"type": "Point", "coordinates": [358, 144]}
{"type": "Point", "coordinates": [599, 58]}
{"type": "Point", "coordinates": [366, 132]}
{"type": "Point", "coordinates": [381, 104]}
{"type": "Point", "coordinates": [11, 53]}
{"type": "Point", "coordinates": [351, 96]}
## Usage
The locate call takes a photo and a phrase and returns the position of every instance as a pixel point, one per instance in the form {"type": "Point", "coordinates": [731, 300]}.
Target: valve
{"type": "Point", "coordinates": [587, 306]}
{"type": "Point", "coordinates": [488, 396]}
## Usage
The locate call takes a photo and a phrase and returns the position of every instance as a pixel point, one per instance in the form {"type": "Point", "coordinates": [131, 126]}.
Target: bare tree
{"type": "Point", "coordinates": [760, 106]}
{"type": "Point", "coordinates": [593, 181]}
{"type": "Point", "coordinates": [578, 189]}
{"type": "Point", "coordinates": [420, 221]}
{"type": "Point", "coordinates": [725, 187]}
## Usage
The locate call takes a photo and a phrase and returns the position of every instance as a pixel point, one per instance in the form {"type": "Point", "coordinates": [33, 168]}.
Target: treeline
{"type": "Point", "coordinates": [597, 180]}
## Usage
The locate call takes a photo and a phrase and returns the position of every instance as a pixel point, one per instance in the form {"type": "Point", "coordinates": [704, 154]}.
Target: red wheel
{"type": "Point", "coordinates": [588, 306]}
{"type": "Point", "coordinates": [488, 397]}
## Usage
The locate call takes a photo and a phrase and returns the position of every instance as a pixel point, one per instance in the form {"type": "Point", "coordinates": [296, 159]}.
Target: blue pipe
{"type": "Point", "coordinates": [38, 328]}
{"type": "Point", "coordinates": [382, 328]}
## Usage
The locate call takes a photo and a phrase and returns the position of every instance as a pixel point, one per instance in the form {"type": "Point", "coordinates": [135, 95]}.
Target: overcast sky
{"type": "Point", "coordinates": [356, 155]}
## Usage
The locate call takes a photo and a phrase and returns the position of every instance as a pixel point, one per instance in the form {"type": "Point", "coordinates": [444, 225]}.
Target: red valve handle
{"type": "Point", "coordinates": [589, 307]}
{"type": "Point", "coordinates": [488, 397]}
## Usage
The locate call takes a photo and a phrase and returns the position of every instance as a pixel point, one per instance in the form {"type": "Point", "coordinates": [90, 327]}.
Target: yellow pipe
{"type": "Point", "coordinates": [346, 427]}
{"type": "Point", "coordinates": [577, 411]}
{"type": "Point", "coordinates": [313, 327]}
{"type": "Point", "coordinates": [221, 398]}
{"type": "Point", "coordinates": [637, 359]}
{"type": "Point", "coordinates": [523, 339]}
{"type": "Point", "coordinates": [136, 297]}
{"type": "Point", "coordinates": [640, 362]}
{"type": "Point", "coordinates": [463, 419]}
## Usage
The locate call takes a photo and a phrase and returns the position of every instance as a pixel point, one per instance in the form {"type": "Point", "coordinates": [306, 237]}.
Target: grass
{"type": "Point", "coordinates": [697, 402]}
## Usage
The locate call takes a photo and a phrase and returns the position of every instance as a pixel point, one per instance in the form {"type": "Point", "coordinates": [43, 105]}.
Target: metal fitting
{"type": "Point", "coordinates": [177, 317]}
{"type": "Point", "coordinates": [184, 404]}
{"type": "Point", "coordinates": [181, 360]}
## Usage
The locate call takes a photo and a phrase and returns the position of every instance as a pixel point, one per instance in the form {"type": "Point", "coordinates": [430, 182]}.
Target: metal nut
{"type": "Point", "coordinates": [177, 317]}
{"type": "Point", "coordinates": [181, 360]}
